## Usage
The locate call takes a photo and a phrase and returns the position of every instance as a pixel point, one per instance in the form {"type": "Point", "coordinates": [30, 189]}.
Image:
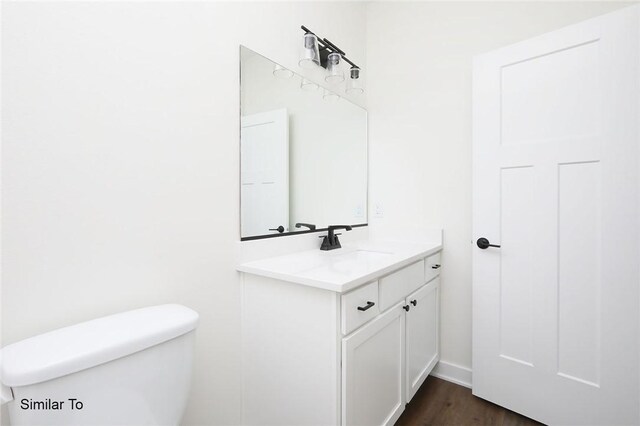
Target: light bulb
{"type": "Point", "coordinates": [310, 56]}
{"type": "Point", "coordinates": [354, 84]}
{"type": "Point", "coordinates": [281, 72]}
{"type": "Point", "coordinates": [330, 96]}
{"type": "Point", "coordinates": [308, 85]}
{"type": "Point", "coordinates": [335, 74]}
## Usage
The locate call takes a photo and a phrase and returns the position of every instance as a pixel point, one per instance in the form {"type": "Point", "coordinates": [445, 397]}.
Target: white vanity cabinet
{"type": "Point", "coordinates": [314, 356]}
{"type": "Point", "coordinates": [386, 361]}
{"type": "Point", "coordinates": [373, 371]}
{"type": "Point", "coordinates": [422, 325]}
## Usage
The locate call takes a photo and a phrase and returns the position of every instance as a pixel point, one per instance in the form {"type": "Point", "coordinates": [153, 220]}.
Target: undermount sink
{"type": "Point", "coordinates": [386, 253]}
{"type": "Point", "coordinates": [361, 255]}
{"type": "Point", "coordinates": [349, 261]}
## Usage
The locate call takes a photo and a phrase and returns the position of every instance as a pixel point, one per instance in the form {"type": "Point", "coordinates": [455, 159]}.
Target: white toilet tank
{"type": "Point", "coordinates": [132, 368]}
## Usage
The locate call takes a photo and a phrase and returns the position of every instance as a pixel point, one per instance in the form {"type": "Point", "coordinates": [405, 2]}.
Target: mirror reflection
{"type": "Point", "coordinates": [303, 152]}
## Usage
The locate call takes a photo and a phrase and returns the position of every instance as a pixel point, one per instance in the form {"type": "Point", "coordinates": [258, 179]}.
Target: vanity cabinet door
{"type": "Point", "coordinates": [373, 371]}
{"type": "Point", "coordinates": [422, 335]}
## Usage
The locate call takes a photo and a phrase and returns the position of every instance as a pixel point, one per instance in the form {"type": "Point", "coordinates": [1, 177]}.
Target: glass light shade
{"type": "Point", "coordinates": [330, 96]}
{"type": "Point", "coordinates": [354, 84]}
{"type": "Point", "coordinates": [335, 74]}
{"type": "Point", "coordinates": [281, 72]}
{"type": "Point", "coordinates": [310, 56]}
{"type": "Point", "coordinates": [308, 85]}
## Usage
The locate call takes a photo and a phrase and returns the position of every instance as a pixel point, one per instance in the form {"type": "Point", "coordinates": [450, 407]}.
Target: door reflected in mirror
{"type": "Point", "coordinates": [303, 154]}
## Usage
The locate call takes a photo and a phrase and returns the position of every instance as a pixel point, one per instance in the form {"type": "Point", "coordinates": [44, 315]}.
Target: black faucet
{"type": "Point", "coordinates": [331, 241]}
{"type": "Point", "coordinates": [311, 226]}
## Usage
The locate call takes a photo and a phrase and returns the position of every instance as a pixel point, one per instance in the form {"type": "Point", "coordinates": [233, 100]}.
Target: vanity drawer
{"type": "Point", "coordinates": [400, 284]}
{"type": "Point", "coordinates": [359, 306]}
{"type": "Point", "coordinates": [432, 266]}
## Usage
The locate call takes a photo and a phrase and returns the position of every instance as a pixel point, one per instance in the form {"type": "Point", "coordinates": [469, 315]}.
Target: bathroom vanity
{"type": "Point", "coordinates": [331, 335]}
{"type": "Point", "coordinates": [344, 337]}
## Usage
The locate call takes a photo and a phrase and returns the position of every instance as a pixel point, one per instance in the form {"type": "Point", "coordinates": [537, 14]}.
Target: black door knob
{"type": "Point", "coordinates": [483, 243]}
{"type": "Point", "coordinates": [280, 229]}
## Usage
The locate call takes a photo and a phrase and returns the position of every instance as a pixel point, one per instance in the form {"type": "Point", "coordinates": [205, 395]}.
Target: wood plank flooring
{"type": "Point", "coordinates": [439, 402]}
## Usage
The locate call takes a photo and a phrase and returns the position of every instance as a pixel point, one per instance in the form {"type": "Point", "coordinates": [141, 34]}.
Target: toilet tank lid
{"type": "Point", "coordinates": [88, 344]}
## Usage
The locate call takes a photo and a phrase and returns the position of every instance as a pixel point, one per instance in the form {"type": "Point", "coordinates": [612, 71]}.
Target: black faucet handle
{"type": "Point", "coordinates": [311, 226]}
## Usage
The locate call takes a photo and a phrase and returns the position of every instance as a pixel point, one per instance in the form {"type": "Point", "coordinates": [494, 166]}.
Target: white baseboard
{"type": "Point", "coordinates": [453, 373]}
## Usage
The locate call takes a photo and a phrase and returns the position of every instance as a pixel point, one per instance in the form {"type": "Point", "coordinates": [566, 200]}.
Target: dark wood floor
{"type": "Point", "coordinates": [439, 402]}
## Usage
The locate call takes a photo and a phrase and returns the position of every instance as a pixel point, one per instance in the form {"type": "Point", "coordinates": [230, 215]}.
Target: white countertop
{"type": "Point", "coordinates": [342, 269]}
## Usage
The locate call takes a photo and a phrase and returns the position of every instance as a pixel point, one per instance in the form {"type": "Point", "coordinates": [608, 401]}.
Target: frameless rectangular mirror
{"type": "Point", "coordinates": [303, 152]}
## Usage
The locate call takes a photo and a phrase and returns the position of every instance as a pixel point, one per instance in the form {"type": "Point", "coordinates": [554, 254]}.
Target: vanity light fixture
{"type": "Point", "coordinates": [308, 85]}
{"type": "Point", "coordinates": [281, 72]}
{"type": "Point", "coordinates": [335, 74]}
{"type": "Point", "coordinates": [354, 84]}
{"type": "Point", "coordinates": [329, 57]}
{"type": "Point", "coordinates": [310, 56]}
{"type": "Point", "coordinates": [330, 96]}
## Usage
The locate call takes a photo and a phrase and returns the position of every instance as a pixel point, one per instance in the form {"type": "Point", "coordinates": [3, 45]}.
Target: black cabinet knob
{"type": "Point", "coordinates": [406, 307]}
{"type": "Point", "coordinates": [280, 229]}
{"type": "Point", "coordinates": [414, 302]}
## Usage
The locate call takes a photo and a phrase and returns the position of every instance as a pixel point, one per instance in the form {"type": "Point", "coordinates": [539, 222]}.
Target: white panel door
{"type": "Point", "coordinates": [556, 182]}
{"type": "Point", "coordinates": [422, 335]}
{"type": "Point", "coordinates": [373, 371]}
{"type": "Point", "coordinates": [264, 157]}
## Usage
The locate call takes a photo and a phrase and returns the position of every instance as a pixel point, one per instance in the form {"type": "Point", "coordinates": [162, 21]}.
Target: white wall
{"type": "Point", "coordinates": [419, 100]}
{"type": "Point", "coordinates": [120, 163]}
